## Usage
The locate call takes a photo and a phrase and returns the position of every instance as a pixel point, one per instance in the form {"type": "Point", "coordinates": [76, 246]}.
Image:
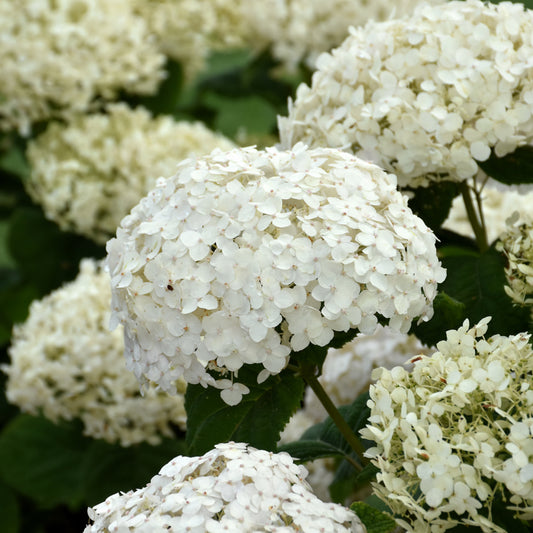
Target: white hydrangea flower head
{"type": "Point", "coordinates": [232, 488]}
{"type": "Point", "coordinates": [517, 245]}
{"type": "Point", "coordinates": [300, 30]}
{"type": "Point", "coordinates": [426, 96]}
{"type": "Point", "coordinates": [66, 364]}
{"type": "Point", "coordinates": [187, 30]}
{"type": "Point", "coordinates": [498, 205]}
{"type": "Point", "coordinates": [346, 372]}
{"type": "Point", "coordinates": [59, 57]}
{"type": "Point", "coordinates": [88, 174]}
{"type": "Point", "coordinates": [455, 432]}
{"type": "Point", "coordinates": [245, 255]}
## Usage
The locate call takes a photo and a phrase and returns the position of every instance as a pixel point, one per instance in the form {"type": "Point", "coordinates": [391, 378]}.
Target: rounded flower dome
{"type": "Point", "coordinates": [65, 364]}
{"type": "Point", "coordinates": [426, 96]}
{"type": "Point", "coordinates": [232, 488]}
{"type": "Point", "coordinates": [245, 255]}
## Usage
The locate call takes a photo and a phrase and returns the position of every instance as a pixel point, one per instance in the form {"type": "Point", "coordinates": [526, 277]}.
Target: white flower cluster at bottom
{"type": "Point", "coordinates": [233, 487]}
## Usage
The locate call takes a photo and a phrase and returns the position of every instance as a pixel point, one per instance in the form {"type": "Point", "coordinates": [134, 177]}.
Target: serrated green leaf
{"type": "Point", "coordinates": [373, 519]}
{"type": "Point", "coordinates": [477, 280]}
{"type": "Point", "coordinates": [449, 313]}
{"type": "Point", "coordinates": [112, 468]}
{"type": "Point", "coordinates": [257, 420]}
{"type": "Point", "coordinates": [512, 169]}
{"type": "Point", "coordinates": [43, 460]}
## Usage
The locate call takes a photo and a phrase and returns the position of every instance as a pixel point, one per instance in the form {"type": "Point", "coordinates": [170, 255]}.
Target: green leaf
{"type": "Point", "coordinates": [6, 259]}
{"type": "Point", "coordinates": [14, 161]}
{"type": "Point", "coordinates": [43, 460]}
{"type": "Point", "coordinates": [432, 203]}
{"type": "Point", "coordinates": [477, 281]}
{"type": "Point", "coordinates": [250, 114]}
{"type": "Point", "coordinates": [449, 313]}
{"type": "Point", "coordinates": [110, 468]}
{"type": "Point", "coordinates": [512, 169]}
{"type": "Point", "coordinates": [257, 420]}
{"type": "Point", "coordinates": [373, 519]}
{"type": "Point", "coordinates": [225, 62]}
{"type": "Point", "coordinates": [10, 510]}
{"type": "Point", "coordinates": [309, 450]}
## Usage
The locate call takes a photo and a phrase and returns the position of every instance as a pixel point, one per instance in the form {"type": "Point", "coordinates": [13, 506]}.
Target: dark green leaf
{"type": "Point", "coordinates": [257, 420]}
{"type": "Point", "coordinates": [449, 313]}
{"type": "Point", "coordinates": [43, 460]}
{"type": "Point", "coordinates": [10, 519]}
{"type": "Point", "coordinates": [309, 450]}
{"type": "Point", "coordinates": [514, 168]}
{"type": "Point", "coordinates": [111, 468]}
{"type": "Point", "coordinates": [477, 280]}
{"type": "Point", "coordinates": [432, 203]}
{"type": "Point", "coordinates": [14, 161]}
{"type": "Point", "coordinates": [374, 520]}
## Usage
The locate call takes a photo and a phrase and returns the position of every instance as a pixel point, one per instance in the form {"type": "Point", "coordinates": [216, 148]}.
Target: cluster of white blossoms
{"type": "Point", "coordinates": [426, 96]}
{"type": "Point", "coordinates": [300, 30]}
{"type": "Point", "coordinates": [66, 364]}
{"type": "Point", "coordinates": [88, 174]}
{"type": "Point", "coordinates": [59, 57]}
{"type": "Point", "coordinates": [498, 205]}
{"type": "Point", "coordinates": [517, 245]}
{"type": "Point", "coordinates": [245, 255]}
{"type": "Point", "coordinates": [233, 488]}
{"type": "Point", "coordinates": [187, 30]}
{"type": "Point", "coordinates": [456, 432]}
{"type": "Point", "coordinates": [347, 372]}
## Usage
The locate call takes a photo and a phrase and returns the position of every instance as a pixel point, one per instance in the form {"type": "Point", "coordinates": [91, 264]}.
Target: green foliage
{"type": "Point", "coordinates": [10, 510]}
{"type": "Point", "coordinates": [373, 519]}
{"type": "Point", "coordinates": [512, 169]}
{"type": "Point", "coordinates": [258, 419]}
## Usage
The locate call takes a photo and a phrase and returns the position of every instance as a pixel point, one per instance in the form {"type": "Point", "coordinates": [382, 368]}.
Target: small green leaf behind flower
{"type": "Point", "coordinates": [374, 520]}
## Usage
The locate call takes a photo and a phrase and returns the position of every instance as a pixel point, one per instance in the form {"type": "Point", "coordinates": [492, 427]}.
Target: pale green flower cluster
{"type": "Point", "coordinates": [426, 96]}
{"type": "Point", "coordinates": [66, 364]}
{"type": "Point", "coordinates": [59, 56]}
{"type": "Point", "coordinates": [233, 488]}
{"type": "Point", "coordinates": [89, 173]}
{"type": "Point", "coordinates": [517, 244]}
{"type": "Point", "coordinates": [456, 433]}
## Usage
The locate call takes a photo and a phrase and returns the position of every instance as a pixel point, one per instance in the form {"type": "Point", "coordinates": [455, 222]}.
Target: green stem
{"type": "Point", "coordinates": [476, 223]}
{"type": "Point", "coordinates": [309, 376]}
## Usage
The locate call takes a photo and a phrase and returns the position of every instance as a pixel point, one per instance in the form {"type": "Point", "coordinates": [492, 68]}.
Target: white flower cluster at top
{"type": "Point", "coordinates": [65, 364]}
{"type": "Point", "coordinates": [456, 432]}
{"type": "Point", "coordinates": [244, 255]}
{"type": "Point", "coordinates": [89, 173]}
{"type": "Point", "coordinates": [498, 205]}
{"type": "Point", "coordinates": [300, 30]}
{"type": "Point", "coordinates": [187, 30]}
{"type": "Point", "coordinates": [517, 244]}
{"type": "Point", "coordinates": [58, 57]}
{"type": "Point", "coordinates": [232, 488]}
{"type": "Point", "coordinates": [425, 96]}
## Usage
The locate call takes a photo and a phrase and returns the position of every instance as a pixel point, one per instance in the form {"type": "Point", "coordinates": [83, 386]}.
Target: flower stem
{"type": "Point", "coordinates": [475, 220]}
{"type": "Point", "coordinates": [308, 374]}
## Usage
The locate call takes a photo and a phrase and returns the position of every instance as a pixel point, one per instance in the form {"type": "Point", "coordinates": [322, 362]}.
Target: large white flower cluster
{"type": "Point", "coordinates": [300, 30]}
{"type": "Point", "coordinates": [246, 255]}
{"type": "Point", "coordinates": [187, 30]}
{"type": "Point", "coordinates": [347, 371]}
{"type": "Point", "coordinates": [232, 488]}
{"type": "Point", "coordinates": [58, 57]}
{"type": "Point", "coordinates": [517, 245]}
{"type": "Point", "coordinates": [88, 174]}
{"type": "Point", "coordinates": [456, 432]}
{"type": "Point", "coordinates": [498, 205]}
{"type": "Point", "coordinates": [65, 364]}
{"type": "Point", "coordinates": [426, 96]}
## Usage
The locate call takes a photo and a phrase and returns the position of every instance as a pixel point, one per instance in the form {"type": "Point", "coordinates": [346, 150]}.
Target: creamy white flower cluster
{"type": "Point", "coordinates": [498, 205]}
{"type": "Point", "coordinates": [426, 96]}
{"type": "Point", "coordinates": [232, 488]}
{"type": "Point", "coordinates": [517, 245]}
{"type": "Point", "coordinates": [88, 174]}
{"type": "Point", "coordinates": [456, 432]}
{"type": "Point", "coordinates": [244, 255]}
{"type": "Point", "coordinates": [58, 57]}
{"type": "Point", "coordinates": [300, 30]}
{"type": "Point", "coordinates": [187, 30]}
{"type": "Point", "coordinates": [65, 364]}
